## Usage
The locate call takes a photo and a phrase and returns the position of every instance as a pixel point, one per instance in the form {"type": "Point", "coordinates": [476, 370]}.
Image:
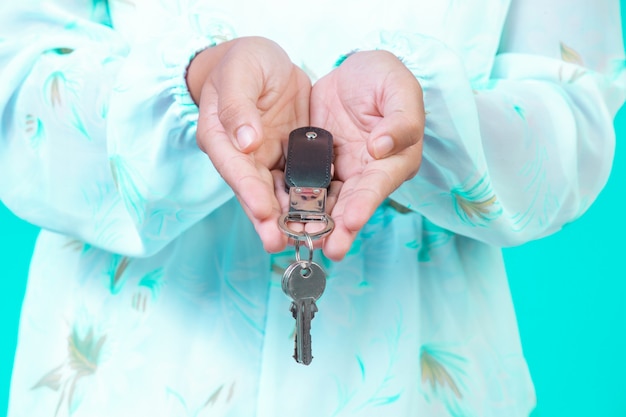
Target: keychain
{"type": "Point", "coordinates": [308, 172]}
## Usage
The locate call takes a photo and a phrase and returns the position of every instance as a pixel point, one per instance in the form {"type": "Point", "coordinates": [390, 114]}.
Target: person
{"type": "Point", "coordinates": [154, 289]}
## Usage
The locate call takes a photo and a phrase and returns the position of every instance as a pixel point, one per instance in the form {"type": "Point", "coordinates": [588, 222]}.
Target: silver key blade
{"type": "Point", "coordinates": [304, 283]}
{"type": "Point", "coordinates": [304, 311]}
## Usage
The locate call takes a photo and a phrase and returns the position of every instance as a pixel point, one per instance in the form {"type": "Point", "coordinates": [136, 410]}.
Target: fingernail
{"type": "Point", "coordinates": [245, 136]}
{"type": "Point", "coordinates": [382, 146]}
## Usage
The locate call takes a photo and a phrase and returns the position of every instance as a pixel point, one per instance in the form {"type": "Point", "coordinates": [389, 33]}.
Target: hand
{"type": "Point", "coordinates": [250, 97]}
{"type": "Point", "coordinates": [373, 106]}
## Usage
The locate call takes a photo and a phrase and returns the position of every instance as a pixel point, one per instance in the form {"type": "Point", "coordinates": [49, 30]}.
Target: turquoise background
{"type": "Point", "coordinates": [569, 292]}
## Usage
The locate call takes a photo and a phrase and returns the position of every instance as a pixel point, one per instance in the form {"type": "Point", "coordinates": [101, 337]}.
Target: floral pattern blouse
{"type": "Point", "coordinates": [150, 293]}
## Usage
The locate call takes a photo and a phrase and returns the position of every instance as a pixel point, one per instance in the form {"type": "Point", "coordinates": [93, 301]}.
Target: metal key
{"type": "Point", "coordinates": [308, 174]}
{"type": "Point", "coordinates": [304, 282]}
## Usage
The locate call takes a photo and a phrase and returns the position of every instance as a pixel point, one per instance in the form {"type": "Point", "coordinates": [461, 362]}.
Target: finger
{"type": "Point", "coordinates": [238, 169]}
{"type": "Point", "coordinates": [347, 221]}
{"type": "Point", "coordinates": [303, 97]}
{"type": "Point", "coordinates": [361, 195]}
{"type": "Point", "coordinates": [323, 94]}
{"type": "Point", "coordinates": [360, 198]}
{"type": "Point", "coordinates": [237, 95]}
{"type": "Point", "coordinates": [402, 124]}
{"type": "Point", "coordinates": [337, 244]}
{"type": "Point", "coordinates": [265, 226]}
{"type": "Point", "coordinates": [273, 239]}
{"type": "Point", "coordinates": [247, 72]}
{"type": "Point", "coordinates": [248, 181]}
{"type": "Point", "coordinates": [377, 183]}
{"type": "Point", "coordinates": [394, 133]}
{"type": "Point", "coordinates": [331, 199]}
{"type": "Point", "coordinates": [279, 189]}
{"type": "Point", "coordinates": [333, 195]}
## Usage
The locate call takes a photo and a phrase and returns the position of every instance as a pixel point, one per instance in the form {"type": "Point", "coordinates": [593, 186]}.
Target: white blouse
{"type": "Point", "coordinates": [150, 293]}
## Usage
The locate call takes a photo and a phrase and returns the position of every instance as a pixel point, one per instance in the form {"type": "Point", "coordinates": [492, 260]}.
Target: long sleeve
{"type": "Point", "coordinates": [98, 128]}
{"type": "Point", "coordinates": [519, 153]}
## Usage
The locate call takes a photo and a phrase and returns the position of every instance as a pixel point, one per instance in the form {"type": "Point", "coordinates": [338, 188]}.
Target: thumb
{"type": "Point", "coordinates": [238, 91]}
{"type": "Point", "coordinates": [403, 119]}
{"type": "Point", "coordinates": [394, 133]}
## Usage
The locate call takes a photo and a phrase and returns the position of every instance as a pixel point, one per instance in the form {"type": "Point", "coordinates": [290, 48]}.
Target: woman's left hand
{"type": "Point", "coordinates": [373, 106]}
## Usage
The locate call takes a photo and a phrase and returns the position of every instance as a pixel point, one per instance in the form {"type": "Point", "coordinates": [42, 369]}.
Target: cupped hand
{"type": "Point", "coordinates": [250, 96]}
{"type": "Point", "coordinates": [373, 106]}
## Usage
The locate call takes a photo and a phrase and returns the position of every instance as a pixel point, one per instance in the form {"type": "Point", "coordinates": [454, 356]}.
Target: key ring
{"type": "Point", "coordinates": [284, 220]}
{"type": "Point", "coordinates": [309, 244]}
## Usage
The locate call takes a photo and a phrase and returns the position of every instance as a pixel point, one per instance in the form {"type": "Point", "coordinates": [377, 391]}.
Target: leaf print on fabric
{"type": "Point", "coordinates": [568, 54]}
{"type": "Point", "coordinates": [85, 351]}
{"type": "Point", "coordinates": [217, 398]}
{"type": "Point", "coordinates": [385, 392]}
{"type": "Point", "coordinates": [77, 245]}
{"type": "Point", "coordinates": [78, 124]}
{"type": "Point", "coordinates": [543, 200]}
{"type": "Point", "coordinates": [277, 268]}
{"type": "Point", "coordinates": [433, 237]}
{"type": "Point", "coordinates": [572, 76]}
{"type": "Point", "coordinates": [51, 380]}
{"type": "Point", "coordinates": [476, 205]}
{"type": "Point", "coordinates": [116, 273]}
{"type": "Point", "coordinates": [71, 25]}
{"type": "Point", "coordinates": [61, 51]}
{"type": "Point", "coordinates": [74, 244]}
{"type": "Point", "coordinates": [83, 358]}
{"type": "Point", "coordinates": [53, 86]}
{"type": "Point", "coordinates": [153, 282]}
{"type": "Point", "coordinates": [377, 389]}
{"type": "Point", "coordinates": [204, 19]}
{"type": "Point", "coordinates": [33, 127]}
{"type": "Point", "coordinates": [434, 372]}
{"type": "Point", "coordinates": [100, 12]}
{"type": "Point", "coordinates": [342, 58]}
{"type": "Point", "coordinates": [59, 88]}
{"type": "Point", "coordinates": [520, 111]}
{"type": "Point", "coordinates": [441, 377]}
{"type": "Point", "coordinates": [128, 189]}
{"type": "Point", "coordinates": [140, 302]}
{"type": "Point", "coordinates": [56, 86]}
{"type": "Point", "coordinates": [402, 209]}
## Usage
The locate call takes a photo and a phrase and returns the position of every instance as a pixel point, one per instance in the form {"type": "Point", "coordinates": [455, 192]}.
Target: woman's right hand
{"type": "Point", "coordinates": [250, 96]}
